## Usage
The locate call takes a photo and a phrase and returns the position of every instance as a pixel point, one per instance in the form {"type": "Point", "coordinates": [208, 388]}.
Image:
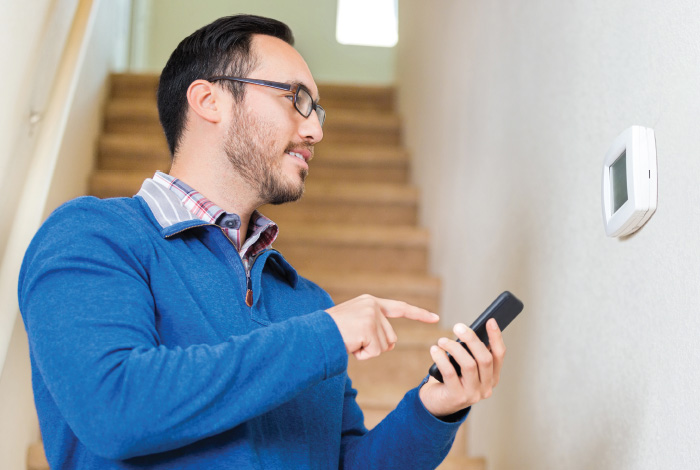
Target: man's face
{"type": "Point", "coordinates": [268, 142]}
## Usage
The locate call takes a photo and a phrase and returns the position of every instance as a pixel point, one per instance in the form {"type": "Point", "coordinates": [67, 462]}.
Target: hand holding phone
{"type": "Point", "coordinates": [504, 309]}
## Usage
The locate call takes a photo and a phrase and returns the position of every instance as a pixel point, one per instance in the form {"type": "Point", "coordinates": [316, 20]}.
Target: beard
{"type": "Point", "coordinates": [251, 150]}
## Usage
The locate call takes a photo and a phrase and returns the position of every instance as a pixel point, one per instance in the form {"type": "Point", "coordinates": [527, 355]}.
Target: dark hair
{"type": "Point", "coordinates": [219, 48]}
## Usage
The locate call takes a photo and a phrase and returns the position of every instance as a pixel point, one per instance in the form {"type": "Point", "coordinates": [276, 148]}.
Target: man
{"type": "Point", "coordinates": [164, 331]}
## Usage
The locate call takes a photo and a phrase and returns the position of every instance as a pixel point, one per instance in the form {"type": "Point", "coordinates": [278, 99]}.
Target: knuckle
{"type": "Point", "coordinates": [450, 373]}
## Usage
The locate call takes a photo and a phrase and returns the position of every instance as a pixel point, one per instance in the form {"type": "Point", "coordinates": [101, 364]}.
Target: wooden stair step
{"type": "Point", "coordinates": [368, 128]}
{"type": "Point", "coordinates": [351, 248]}
{"type": "Point", "coordinates": [134, 85]}
{"type": "Point", "coordinates": [120, 152]}
{"type": "Point", "coordinates": [416, 289]}
{"type": "Point", "coordinates": [363, 97]}
{"type": "Point", "coordinates": [350, 203]}
{"type": "Point", "coordinates": [333, 96]}
{"type": "Point", "coordinates": [358, 162]}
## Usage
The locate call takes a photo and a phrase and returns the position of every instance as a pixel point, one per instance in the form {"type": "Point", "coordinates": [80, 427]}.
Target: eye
{"type": "Point", "coordinates": [290, 97]}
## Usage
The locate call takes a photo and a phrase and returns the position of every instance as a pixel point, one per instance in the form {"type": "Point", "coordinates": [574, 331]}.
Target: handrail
{"type": "Point", "coordinates": [50, 127]}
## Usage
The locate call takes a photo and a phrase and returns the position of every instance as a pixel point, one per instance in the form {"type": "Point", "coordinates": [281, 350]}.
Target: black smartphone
{"type": "Point", "coordinates": [504, 309]}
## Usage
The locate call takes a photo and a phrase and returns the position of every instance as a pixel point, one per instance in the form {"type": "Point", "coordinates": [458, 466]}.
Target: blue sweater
{"type": "Point", "coordinates": [145, 355]}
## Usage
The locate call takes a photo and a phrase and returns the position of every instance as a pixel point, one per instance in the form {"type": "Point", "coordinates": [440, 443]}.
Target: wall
{"type": "Point", "coordinates": [521, 100]}
{"type": "Point", "coordinates": [312, 21]}
{"type": "Point", "coordinates": [59, 75]}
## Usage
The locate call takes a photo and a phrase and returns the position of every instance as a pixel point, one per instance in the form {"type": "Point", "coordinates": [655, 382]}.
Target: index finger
{"type": "Point", "coordinates": [398, 309]}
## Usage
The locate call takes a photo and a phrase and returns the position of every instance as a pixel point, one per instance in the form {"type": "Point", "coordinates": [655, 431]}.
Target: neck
{"type": "Point", "coordinates": [220, 184]}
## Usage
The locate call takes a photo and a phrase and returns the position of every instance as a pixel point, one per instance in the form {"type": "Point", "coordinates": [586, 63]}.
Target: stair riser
{"type": "Point", "coordinates": [326, 255]}
{"type": "Point", "coordinates": [328, 211]}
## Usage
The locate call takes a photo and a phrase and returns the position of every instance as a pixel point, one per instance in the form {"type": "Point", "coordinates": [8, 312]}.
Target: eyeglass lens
{"type": "Point", "coordinates": [305, 104]}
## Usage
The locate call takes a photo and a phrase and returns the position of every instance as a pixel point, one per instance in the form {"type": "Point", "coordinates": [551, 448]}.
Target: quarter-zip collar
{"type": "Point", "coordinates": [174, 218]}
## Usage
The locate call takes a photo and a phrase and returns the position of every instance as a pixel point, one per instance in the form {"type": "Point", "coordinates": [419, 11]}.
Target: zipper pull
{"type": "Point", "coordinates": [249, 292]}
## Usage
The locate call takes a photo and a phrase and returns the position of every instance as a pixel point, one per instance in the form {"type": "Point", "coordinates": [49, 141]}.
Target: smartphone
{"type": "Point", "coordinates": [504, 309]}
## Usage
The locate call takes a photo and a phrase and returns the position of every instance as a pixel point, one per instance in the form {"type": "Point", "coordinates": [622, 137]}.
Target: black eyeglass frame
{"type": "Point", "coordinates": [280, 86]}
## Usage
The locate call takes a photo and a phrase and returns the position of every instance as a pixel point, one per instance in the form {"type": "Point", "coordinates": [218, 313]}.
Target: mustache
{"type": "Point", "coordinates": [301, 145]}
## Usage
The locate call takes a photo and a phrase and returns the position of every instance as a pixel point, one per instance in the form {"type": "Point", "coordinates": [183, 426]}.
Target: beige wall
{"type": "Point", "coordinates": [313, 23]}
{"type": "Point", "coordinates": [523, 99]}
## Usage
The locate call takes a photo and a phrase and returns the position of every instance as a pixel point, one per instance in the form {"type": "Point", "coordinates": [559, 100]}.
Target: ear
{"type": "Point", "coordinates": [205, 100]}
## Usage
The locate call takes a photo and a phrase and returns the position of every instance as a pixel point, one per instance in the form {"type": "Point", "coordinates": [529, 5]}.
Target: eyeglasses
{"type": "Point", "coordinates": [302, 98]}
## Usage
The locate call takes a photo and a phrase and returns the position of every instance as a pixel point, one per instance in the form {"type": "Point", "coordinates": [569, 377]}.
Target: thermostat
{"type": "Point", "coordinates": [629, 182]}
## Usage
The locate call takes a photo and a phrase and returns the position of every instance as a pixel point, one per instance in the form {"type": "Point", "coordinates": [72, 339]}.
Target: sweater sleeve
{"type": "Point", "coordinates": [89, 313]}
{"type": "Point", "coordinates": [409, 437]}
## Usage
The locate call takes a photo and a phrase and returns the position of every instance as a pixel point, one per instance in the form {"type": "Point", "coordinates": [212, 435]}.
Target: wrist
{"type": "Point", "coordinates": [426, 395]}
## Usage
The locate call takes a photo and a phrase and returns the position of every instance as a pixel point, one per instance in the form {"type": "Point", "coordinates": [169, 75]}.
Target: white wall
{"type": "Point", "coordinates": [521, 100]}
{"type": "Point", "coordinates": [312, 21]}
{"type": "Point", "coordinates": [61, 52]}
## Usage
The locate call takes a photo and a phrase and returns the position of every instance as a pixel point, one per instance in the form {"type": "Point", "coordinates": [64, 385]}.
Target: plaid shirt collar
{"type": "Point", "coordinates": [158, 192]}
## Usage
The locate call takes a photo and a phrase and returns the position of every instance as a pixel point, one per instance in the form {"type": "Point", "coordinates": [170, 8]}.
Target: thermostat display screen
{"type": "Point", "coordinates": [618, 181]}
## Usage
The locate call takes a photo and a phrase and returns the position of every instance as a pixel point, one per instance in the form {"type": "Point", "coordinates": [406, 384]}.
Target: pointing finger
{"type": "Point", "coordinates": [398, 309]}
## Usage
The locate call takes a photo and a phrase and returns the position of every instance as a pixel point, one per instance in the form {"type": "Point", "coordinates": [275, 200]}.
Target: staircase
{"type": "Point", "coordinates": [354, 231]}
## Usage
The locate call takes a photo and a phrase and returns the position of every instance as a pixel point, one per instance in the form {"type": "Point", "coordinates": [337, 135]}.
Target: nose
{"type": "Point", "coordinates": [310, 128]}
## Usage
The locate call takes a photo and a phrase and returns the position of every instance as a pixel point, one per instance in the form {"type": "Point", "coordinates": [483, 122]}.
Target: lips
{"type": "Point", "coordinates": [303, 154]}
{"type": "Point", "coordinates": [297, 155]}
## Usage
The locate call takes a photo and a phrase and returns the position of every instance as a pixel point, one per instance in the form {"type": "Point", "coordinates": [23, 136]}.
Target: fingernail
{"type": "Point", "coordinates": [460, 328]}
{"type": "Point", "coordinates": [492, 324]}
{"type": "Point", "coordinates": [434, 349]}
{"type": "Point", "coordinates": [442, 341]}
{"type": "Point", "coordinates": [436, 316]}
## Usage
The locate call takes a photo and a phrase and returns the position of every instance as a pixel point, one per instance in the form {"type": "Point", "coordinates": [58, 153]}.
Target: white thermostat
{"type": "Point", "coordinates": [629, 182]}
